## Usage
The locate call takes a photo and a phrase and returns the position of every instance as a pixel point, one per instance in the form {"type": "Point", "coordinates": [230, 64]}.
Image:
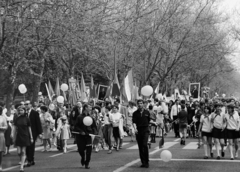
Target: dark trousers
{"type": "Point", "coordinates": [84, 144]}
{"type": "Point", "coordinates": [176, 126]}
{"type": "Point", "coordinates": [142, 140]}
{"type": "Point", "coordinates": [30, 151]}
{"type": "Point", "coordinates": [108, 135]}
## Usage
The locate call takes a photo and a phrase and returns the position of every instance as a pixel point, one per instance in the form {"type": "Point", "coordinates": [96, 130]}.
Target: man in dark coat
{"type": "Point", "coordinates": [36, 131]}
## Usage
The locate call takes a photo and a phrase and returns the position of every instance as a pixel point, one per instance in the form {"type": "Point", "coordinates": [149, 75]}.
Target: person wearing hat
{"type": "Point", "coordinates": [36, 129]}
{"type": "Point", "coordinates": [232, 132]}
{"type": "Point", "coordinates": [218, 131]}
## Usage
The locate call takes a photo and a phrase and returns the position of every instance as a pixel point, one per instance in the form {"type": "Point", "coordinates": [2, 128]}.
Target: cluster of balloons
{"type": "Point", "coordinates": [166, 155]}
{"type": "Point", "coordinates": [22, 88]}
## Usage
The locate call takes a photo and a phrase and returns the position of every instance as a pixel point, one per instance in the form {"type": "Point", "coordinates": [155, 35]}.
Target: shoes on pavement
{"type": "Point", "coordinates": [29, 164]}
{"type": "Point", "coordinates": [83, 162]}
{"type": "Point", "coordinates": [205, 157]}
{"type": "Point", "coordinates": [110, 151]}
{"type": "Point", "coordinates": [87, 167]}
{"type": "Point", "coordinates": [218, 157]}
{"type": "Point", "coordinates": [232, 158]}
{"type": "Point", "coordinates": [21, 170]}
{"type": "Point", "coordinates": [44, 150]}
{"type": "Point", "coordinates": [142, 166]}
{"type": "Point", "coordinates": [223, 154]}
{"type": "Point", "coordinates": [147, 166]}
{"type": "Point", "coordinates": [211, 154]}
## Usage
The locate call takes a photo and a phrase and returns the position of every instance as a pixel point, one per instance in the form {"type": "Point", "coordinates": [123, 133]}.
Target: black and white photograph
{"type": "Point", "coordinates": [194, 90]}
{"type": "Point", "coordinates": [120, 85]}
{"type": "Point", "coordinates": [102, 90]}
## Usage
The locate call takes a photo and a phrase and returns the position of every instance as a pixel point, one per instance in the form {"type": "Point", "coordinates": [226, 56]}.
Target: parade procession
{"type": "Point", "coordinates": [119, 85]}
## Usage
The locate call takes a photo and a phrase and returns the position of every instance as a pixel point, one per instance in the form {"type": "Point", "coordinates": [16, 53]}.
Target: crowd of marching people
{"type": "Point", "coordinates": [215, 122]}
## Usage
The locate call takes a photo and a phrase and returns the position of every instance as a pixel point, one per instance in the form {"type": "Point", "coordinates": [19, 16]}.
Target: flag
{"type": "Point", "coordinates": [127, 89]}
{"type": "Point", "coordinates": [72, 98]}
{"type": "Point", "coordinates": [49, 96]}
{"type": "Point", "coordinates": [50, 88]}
{"type": "Point", "coordinates": [157, 89]}
{"type": "Point", "coordinates": [57, 87]}
{"type": "Point", "coordinates": [115, 87]}
{"type": "Point", "coordinates": [130, 81]}
{"type": "Point", "coordinates": [78, 90]}
{"type": "Point", "coordinates": [92, 89]}
{"type": "Point", "coordinates": [135, 93]}
{"type": "Point", "coordinates": [83, 89]}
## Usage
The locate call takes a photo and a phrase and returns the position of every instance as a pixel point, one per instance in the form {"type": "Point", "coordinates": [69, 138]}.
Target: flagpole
{"type": "Point", "coordinates": [114, 65]}
{"type": "Point", "coordinates": [144, 71]}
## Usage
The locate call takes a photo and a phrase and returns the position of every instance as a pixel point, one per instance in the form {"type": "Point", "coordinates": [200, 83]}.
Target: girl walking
{"type": "Point", "coordinates": [205, 128]}
{"type": "Point", "coordinates": [232, 131]}
{"type": "Point", "coordinates": [23, 132]}
{"type": "Point", "coordinates": [46, 121]}
{"type": "Point", "coordinates": [65, 133]}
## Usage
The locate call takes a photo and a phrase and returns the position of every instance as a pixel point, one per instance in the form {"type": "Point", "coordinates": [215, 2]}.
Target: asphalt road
{"type": "Point", "coordinates": [186, 158]}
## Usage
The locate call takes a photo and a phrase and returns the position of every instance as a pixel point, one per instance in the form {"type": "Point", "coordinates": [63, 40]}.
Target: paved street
{"type": "Point", "coordinates": [185, 158]}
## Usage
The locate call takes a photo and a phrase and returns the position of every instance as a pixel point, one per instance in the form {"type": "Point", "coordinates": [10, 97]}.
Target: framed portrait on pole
{"type": "Point", "coordinates": [102, 91]}
{"type": "Point", "coordinates": [194, 90]}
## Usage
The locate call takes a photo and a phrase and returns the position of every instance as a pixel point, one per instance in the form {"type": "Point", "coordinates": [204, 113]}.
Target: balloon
{"type": "Point", "coordinates": [60, 99]}
{"type": "Point", "coordinates": [223, 95]}
{"type": "Point", "coordinates": [147, 90]}
{"type": "Point", "coordinates": [23, 90]}
{"type": "Point", "coordinates": [166, 155]}
{"type": "Point", "coordinates": [64, 87]}
{"type": "Point", "coordinates": [40, 93]}
{"type": "Point", "coordinates": [51, 107]}
{"type": "Point", "coordinates": [87, 121]}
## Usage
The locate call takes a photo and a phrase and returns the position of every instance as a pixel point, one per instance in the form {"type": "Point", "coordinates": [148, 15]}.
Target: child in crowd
{"type": "Point", "coordinates": [64, 133]}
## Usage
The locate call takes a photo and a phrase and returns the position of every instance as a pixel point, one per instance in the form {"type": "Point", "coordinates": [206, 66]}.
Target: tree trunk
{"type": "Point", "coordinates": [10, 89]}
{"type": "Point", "coordinates": [37, 82]}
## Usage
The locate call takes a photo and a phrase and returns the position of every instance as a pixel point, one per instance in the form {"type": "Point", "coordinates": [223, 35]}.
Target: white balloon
{"type": "Point", "coordinates": [166, 155]}
{"type": "Point", "coordinates": [87, 121]}
{"type": "Point", "coordinates": [64, 87]}
{"type": "Point", "coordinates": [23, 90]}
{"type": "Point", "coordinates": [60, 99]}
{"type": "Point", "coordinates": [147, 91]}
{"type": "Point", "coordinates": [40, 93]}
{"type": "Point", "coordinates": [223, 95]}
{"type": "Point", "coordinates": [51, 107]}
